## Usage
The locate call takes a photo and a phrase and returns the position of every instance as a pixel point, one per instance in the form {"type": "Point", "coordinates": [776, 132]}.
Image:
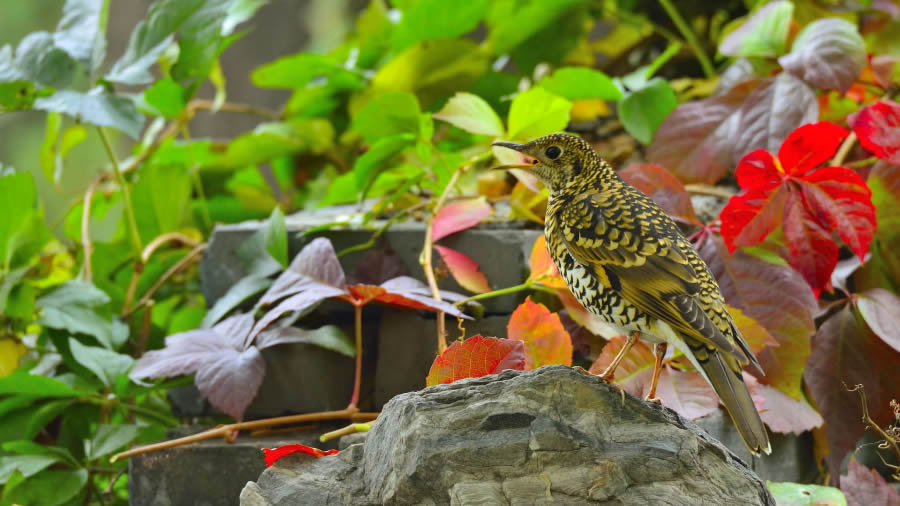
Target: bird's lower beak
{"type": "Point", "coordinates": [530, 161]}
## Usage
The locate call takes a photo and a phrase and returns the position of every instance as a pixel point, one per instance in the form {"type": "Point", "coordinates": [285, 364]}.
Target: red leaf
{"type": "Point", "coordinates": [475, 357]}
{"type": "Point", "coordinates": [779, 299]}
{"type": "Point", "coordinates": [878, 129]}
{"type": "Point", "coordinates": [687, 392]}
{"type": "Point", "coordinates": [273, 454]}
{"type": "Point", "coordinates": [759, 170]}
{"type": "Point", "coordinates": [865, 487]}
{"type": "Point", "coordinates": [663, 187]}
{"type": "Point", "coordinates": [846, 353]}
{"type": "Point", "coordinates": [635, 369]}
{"type": "Point", "coordinates": [843, 202]}
{"type": "Point", "coordinates": [460, 215]}
{"type": "Point", "coordinates": [405, 292]}
{"type": "Point", "coordinates": [542, 266]}
{"type": "Point", "coordinates": [780, 412]}
{"type": "Point", "coordinates": [809, 146]}
{"type": "Point", "coordinates": [696, 141]}
{"type": "Point", "coordinates": [751, 216]}
{"type": "Point", "coordinates": [464, 270]}
{"type": "Point", "coordinates": [881, 310]}
{"type": "Point", "coordinates": [546, 340]}
{"type": "Point", "coordinates": [810, 248]}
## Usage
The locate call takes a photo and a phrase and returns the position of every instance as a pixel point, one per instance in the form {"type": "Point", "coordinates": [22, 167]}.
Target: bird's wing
{"type": "Point", "coordinates": [627, 243]}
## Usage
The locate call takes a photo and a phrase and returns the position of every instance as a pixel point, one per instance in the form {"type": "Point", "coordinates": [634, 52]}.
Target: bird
{"type": "Point", "coordinates": [627, 262]}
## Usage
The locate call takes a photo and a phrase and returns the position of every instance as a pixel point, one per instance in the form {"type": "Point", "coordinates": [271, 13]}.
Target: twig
{"type": "Point", "coordinates": [227, 430]}
{"type": "Point", "coordinates": [712, 191]}
{"type": "Point", "coordinates": [496, 293]}
{"type": "Point", "coordinates": [162, 239]}
{"type": "Point", "coordinates": [357, 372]}
{"type": "Point", "coordinates": [844, 150]}
{"type": "Point", "coordinates": [867, 419]}
{"type": "Point", "coordinates": [114, 479]}
{"type": "Point", "coordinates": [426, 258]}
{"type": "Point", "coordinates": [203, 104]}
{"type": "Point", "coordinates": [862, 163]}
{"type": "Point", "coordinates": [350, 429]}
{"type": "Point", "coordinates": [175, 269]}
{"type": "Point", "coordinates": [126, 192]}
{"type": "Point", "coordinates": [86, 243]}
{"type": "Point", "coordinates": [690, 37]}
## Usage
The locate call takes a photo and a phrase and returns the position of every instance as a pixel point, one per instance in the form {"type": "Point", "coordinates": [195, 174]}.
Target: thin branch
{"type": "Point", "coordinates": [226, 431]}
{"type": "Point", "coordinates": [496, 293]}
{"type": "Point", "coordinates": [175, 269]}
{"type": "Point", "coordinates": [163, 239]}
{"type": "Point", "coordinates": [867, 419]}
{"type": "Point", "coordinates": [690, 37]}
{"type": "Point", "coordinates": [426, 257]}
{"type": "Point", "coordinates": [712, 191]}
{"type": "Point", "coordinates": [126, 192]}
{"type": "Point", "coordinates": [844, 150]}
{"type": "Point", "coordinates": [353, 428]}
{"type": "Point", "coordinates": [86, 243]}
{"type": "Point", "coordinates": [357, 371]}
{"type": "Point", "coordinates": [209, 105]}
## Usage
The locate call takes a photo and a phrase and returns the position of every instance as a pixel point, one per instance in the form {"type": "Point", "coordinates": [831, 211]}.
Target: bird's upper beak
{"type": "Point", "coordinates": [530, 162]}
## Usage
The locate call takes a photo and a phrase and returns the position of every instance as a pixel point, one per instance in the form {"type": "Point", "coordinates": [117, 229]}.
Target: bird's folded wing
{"type": "Point", "coordinates": [643, 264]}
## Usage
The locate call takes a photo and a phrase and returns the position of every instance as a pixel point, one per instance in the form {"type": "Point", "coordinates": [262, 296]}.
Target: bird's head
{"type": "Point", "coordinates": [557, 159]}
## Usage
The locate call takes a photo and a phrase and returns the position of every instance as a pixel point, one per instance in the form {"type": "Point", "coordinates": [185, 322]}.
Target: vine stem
{"type": "Point", "coordinates": [705, 189]}
{"type": "Point", "coordinates": [357, 374]}
{"type": "Point", "coordinates": [496, 293]}
{"type": "Point", "coordinates": [867, 419]}
{"type": "Point", "coordinates": [844, 150]}
{"type": "Point", "coordinates": [86, 243]}
{"type": "Point", "coordinates": [353, 428]}
{"type": "Point", "coordinates": [175, 269]}
{"type": "Point", "coordinates": [126, 192]}
{"type": "Point", "coordinates": [690, 37]}
{"type": "Point", "coordinates": [425, 259]}
{"type": "Point", "coordinates": [226, 431]}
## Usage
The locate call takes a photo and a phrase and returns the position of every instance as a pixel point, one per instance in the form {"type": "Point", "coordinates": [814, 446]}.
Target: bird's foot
{"type": "Point", "coordinates": [655, 399]}
{"type": "Point", "coordinates": [582, 370]}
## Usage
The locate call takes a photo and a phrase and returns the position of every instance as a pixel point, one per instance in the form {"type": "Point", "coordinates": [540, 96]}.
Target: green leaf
{"type": "Point", "coordinates": [433, 70]}
{"type": "Point", "coordinates": [17, 95]}
{"type": "Point", "coordinates": [537, 112]}
{"type": "Point", "coordinates": [28, 465]}
{"type": "Point", "coordinates": [51, 486]}
{"type": "Point", "coordinates": [238, 12]}
{"type": "Point", "coordinates": [553, 42]}
{"type": "Point", "coordinates": [26, 447]}
{"type": "Point", "coordinates": [388, 114]}
{"type": "Point", "coordinates": [202, 36]}
{"type": "Point", "coordinates": [376, 158]}
{"type": "Point", "coordinates": [341, 191]}
{"type": "Point", "coordinates": [97, 108]}
{"type": "Point", "coordinates": [276, 237]}
{"type": "Point", "coordinates": [161, 200]}
{"type": "Point", "coordinates": [48, 147]}
{"type": "Point", "coordinates": [72, 307]}
{"type": "Point", "coordinates": [38, 59]}
{"type": "Point", "coordinates": [297, 71]}
{"type": "Point", "coordinates": [166, 96]}
{"type": "Point", "coordinates": [802, 494]}
{"type": "Point", "coordinates": [246, 287]}
{"type": "Point", "coordinates": [107, 365]}
{"type": "Point", "coordinates": [265, 252]}
{"type": "Point", "coordinates": [472, 114]}
{"type": "Point", "coordinates": [763, 34]}
{"type": "Point", "coordinates": [23, 383]}
{"type": "Point", "coordinates": [110, 438]}
{"type": "Point", "coordinates": [272, 140]}
{"type": "Point", "coordinates": [437, 19]}
{"type": "Point", "coordinates": [74, 292]}
{"type": "Point", "coordinates": [81, 31]}
{"type": "Point", "coordinates": [576, 83]}
{"type": "Point", "coordinates": [512, 23]}
{"type": "Point", "coordinates": [17, 206]}
{"type": "Point", "coordinates": [642, 111]}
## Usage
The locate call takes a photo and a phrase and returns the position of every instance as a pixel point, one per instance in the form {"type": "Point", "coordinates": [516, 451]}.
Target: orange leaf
{"type": "Point", "coordinates": [475, 357]}
{"type": "Point", "coordinates": [464, 270]}
{"type": "Point", "coordinates": [686, 392]}
{"type": "Point", "coordinates": [634, 371]}
{"type": "Point", "coordinates": [460, 215]}
{"type": "Point", "coordinates": [546, 340]}
{"type": "Point", "coordinates": [583, 317]}
{"type": "Point", "coordinates": [755, 334]}
{"type": "Point", "coordinates": [273, 454]}
{"type": "Point", "coordinates": [543, 270]}
{"type": "Point", "coordinates": [526, 202]}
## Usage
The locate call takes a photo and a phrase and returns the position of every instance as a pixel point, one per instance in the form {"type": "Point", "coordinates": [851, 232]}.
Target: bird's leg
{"type": "Point", "coordinates": [659, 350]}
{"type": "Point", "coordinates": [610, 371]}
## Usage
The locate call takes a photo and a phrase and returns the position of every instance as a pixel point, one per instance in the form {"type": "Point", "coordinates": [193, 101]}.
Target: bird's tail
{"type": "Point", "coordinates": [736, 398]}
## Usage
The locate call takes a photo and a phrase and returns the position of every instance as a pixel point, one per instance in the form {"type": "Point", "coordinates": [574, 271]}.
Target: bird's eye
{"type": "Point", "coordinates": [553, 152]}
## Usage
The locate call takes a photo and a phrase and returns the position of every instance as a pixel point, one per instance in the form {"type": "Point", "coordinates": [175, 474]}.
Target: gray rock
{"type": "Point", "coordinates": [549, 435]}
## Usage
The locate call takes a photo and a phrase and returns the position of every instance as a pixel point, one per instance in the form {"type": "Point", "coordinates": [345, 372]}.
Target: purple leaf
{"type": "Point", "coordinates": [863, 487]}
{"type": "Point", "coordinates": [828, 53]}
{"type": "Point", "coordinates": [307, 294]}
{"type": "Point", "coordinates": [231, 379]}
{"type": "Point", "coordinates": [881, 310]}
{"type": "Point", "coordinates": [317, 262]}
{"type": "Point", "coordinates": [378, 266]}
{"type": "Point", "coordinates": [407, 292]}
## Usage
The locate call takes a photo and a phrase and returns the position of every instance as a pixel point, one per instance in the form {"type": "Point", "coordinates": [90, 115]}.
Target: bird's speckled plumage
{"type": "Point", "coordinates": [626, 261]}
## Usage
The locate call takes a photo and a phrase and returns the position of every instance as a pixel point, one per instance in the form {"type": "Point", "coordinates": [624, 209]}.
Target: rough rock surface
{"type": "Point", "coordinates": [549, 435]}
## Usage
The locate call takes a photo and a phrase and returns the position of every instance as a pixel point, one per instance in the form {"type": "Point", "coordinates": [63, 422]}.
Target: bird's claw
{"type": "Point", "coordinates": [656, 400]}
{"type": "Point", "coordinates": [582, 370]}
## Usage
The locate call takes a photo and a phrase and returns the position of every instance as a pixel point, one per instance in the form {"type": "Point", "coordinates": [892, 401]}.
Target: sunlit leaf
{"type": "Point", "coordinates": [464, 270]}
{"type": "Point", "coordinates": [387, 115]}
{"type": "Point", "coordinates": [537, 112]}
{"type": "Point", "coordinates": [272, 455]}
{"type": "Point", "coordinates": [437, 19]}
{"type": "Point", "coordinates": [271, 140]}
{"type": "Point", "coordinates": [166, 96]}
{"type": "Point", "coordinates": [472, 114]}
{"type": "Point", "coordinates": [475, 357]}
{"type": "Point", "coordinates": [643, 111]}
{"type": "Point", "coordinates": [512, 23]}
{"type": "Point", "coordinates": [574, 83]}
{"type": "Point", "coordinates": [541, 266]}
{"type": "Point", "coordinates": [162, 199]}
{"type": "Point", "coordinates": [459, 215]}
{"type": "Point", "coordinates": [828, 53]}
{"type": "Point", "coordinates": [846, 353]}
{"type": "Point", "coordinates": [298, 70]}
{"type": "Point", "coordinates": [764, 33]}
{"type": "Point", "coordinates": [546, 340]}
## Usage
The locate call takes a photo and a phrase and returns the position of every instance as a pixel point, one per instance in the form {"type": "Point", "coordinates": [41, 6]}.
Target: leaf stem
{"type": "Point", "coordinates": [497, 293]}
{"type": "Point", "coordinates": [862, 163]}
{"type": "Point", "coordinates": [175, 269]}
{"type": "Point", "coordinates": [357, 373]}
{"type": "Point", "coordinates": [86, 243]}
{"type": "Point", "coordinates": [690, 37]}
{"type": "Point", "coordinates": [350, 429]}
{"type": "Point", "coordinates": [126, 192]}
{"type": "Point", "coordinates": [225, 431]}
{"type": "Point", "coordinates": [844, 150]}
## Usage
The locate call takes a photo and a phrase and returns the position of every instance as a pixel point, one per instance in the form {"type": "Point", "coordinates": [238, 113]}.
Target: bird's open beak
{"type": "Point", "coordinates": [530, 162]}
